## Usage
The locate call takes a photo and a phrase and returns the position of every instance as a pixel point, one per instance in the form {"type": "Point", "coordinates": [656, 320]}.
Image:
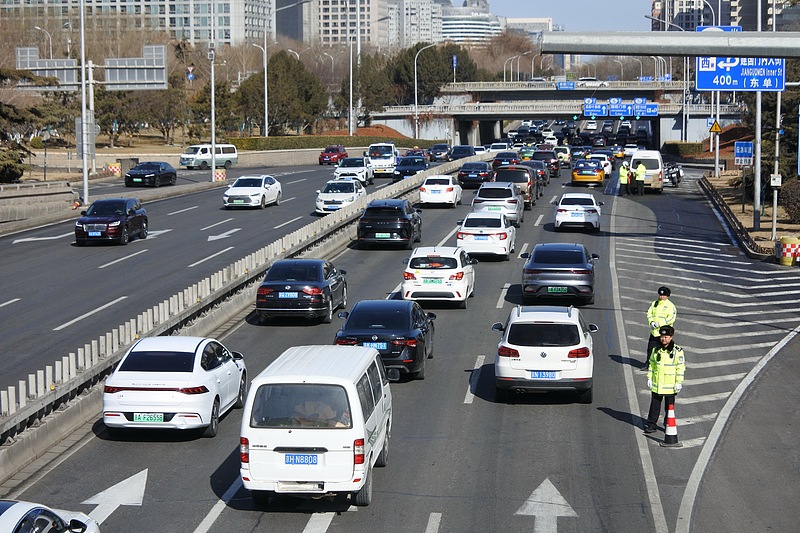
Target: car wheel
{"type": "Point", "coordinates": [143, 230]}
{"type": "Point", "coordinates": [80, 242]}
{"type": "Point", "coordinates": [124, 237]}
{"type": "Point", "coordinates": [227, 164]}
{"type": "Point", "coordinates": [261, 497]}
{"type": "Point", "coordinates": [383, 457]}
{"type": "Point", "coordinates": [174, 180]}
{"type": "Point", "coordinates": [213, 426]}
{"type": "Point", "coordinates": [263, 318]}
{"type": "Point", "coordinates": [156, 182]}
{"type": "Point", "coordinates": [242, 395]}
{"type": "Point", "coordinates": [278, 198]}
{"type": "Point", "coordinates": [420, 374]}
{"type": "Point", "coordinates": [463, 303]}
{"type": "Point", "coordinates": [328, 318]}
{"type": "Point", "coordinates": [585, 396]}
{"type": "Point", "coordinates": [203, 166]}
{"type": "Point", "coordinates": [343, 305]}
{"type": "Point", "coordinates": [263, 204]}
{"type": "Point", "coordinates": [363, 497]}
{"type": "Point", "coordinates": [500, 395]}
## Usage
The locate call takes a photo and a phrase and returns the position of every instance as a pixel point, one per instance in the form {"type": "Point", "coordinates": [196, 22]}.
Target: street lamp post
{"type": "Point", "coordinates": [641, 68]}
{"type": "Point", "coordinates": [49, 39]}
{"type": "Point", "coordinates": [621, 69]}
{"type": "Point", "coordinates": [266, 113]}
{"type": "Point", "coordinates": [519, 67]}
{"type": "Point", "coordinates": [512, 58]}
{"type": "Point", "coordinates": [533, 60]}
{"type": "Point", "coordinates": [416, 90]}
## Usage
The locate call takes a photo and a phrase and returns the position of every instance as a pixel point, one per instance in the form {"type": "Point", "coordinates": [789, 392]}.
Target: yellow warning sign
{"type": "Point", "coordinates": [715, 128]}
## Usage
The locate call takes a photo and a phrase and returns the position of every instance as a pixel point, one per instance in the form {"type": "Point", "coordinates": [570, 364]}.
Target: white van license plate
{"type": "Point", "coordinates": [301, 459]}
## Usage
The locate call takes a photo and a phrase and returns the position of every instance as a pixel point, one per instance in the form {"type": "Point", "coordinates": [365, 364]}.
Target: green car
{"type": "Point", "coordinates": [526, 153]}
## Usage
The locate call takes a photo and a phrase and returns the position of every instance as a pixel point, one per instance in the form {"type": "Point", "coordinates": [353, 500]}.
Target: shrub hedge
{"type": "Point", "coordinates": [682, 149]}
{"type": "Point", "coordinates": [789, 197]}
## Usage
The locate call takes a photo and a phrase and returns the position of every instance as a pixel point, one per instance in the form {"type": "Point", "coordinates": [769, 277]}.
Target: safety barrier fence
{"type": "Point", "coordinates": [573, 107]}
{"type": "Point", "coordinates": [45, 391]}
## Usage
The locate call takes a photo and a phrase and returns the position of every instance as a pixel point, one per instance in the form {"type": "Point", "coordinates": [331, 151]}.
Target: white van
{"type": "Point", "coordinates": [316, 421]}
{"type": "Point", "coordinates": [654, 165]}
{"type": "Point", "coordinates": [199, 156]}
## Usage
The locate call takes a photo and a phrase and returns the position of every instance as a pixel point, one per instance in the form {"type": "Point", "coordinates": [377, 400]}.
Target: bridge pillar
{"type": "Point", "coordinates": [468, 132]}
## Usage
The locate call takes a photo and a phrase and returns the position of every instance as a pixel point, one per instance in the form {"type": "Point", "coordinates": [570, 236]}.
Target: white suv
{"type": "Point", "coordinates": [443, 273]}
{"type": "Point", "coordinates": [544, 349]}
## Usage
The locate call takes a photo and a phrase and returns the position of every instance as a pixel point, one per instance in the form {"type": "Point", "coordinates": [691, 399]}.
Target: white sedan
{"type": "Point", "coordinates": [253, 191]}
{"type": "Point", "coordinates": [24, 517]}
{"type": "Point", "coordinates": [487, 233]}
{"type": "Point", "coordinates": [337, 194]}
{"type": "Point", "coordinates": [577, 209]}
{"type": "Point", "coordinates": [174, 383]}
{"type": "Point", "coordinates": [440, 189]}
{"type": "Point", "coordinates": [443, 273]}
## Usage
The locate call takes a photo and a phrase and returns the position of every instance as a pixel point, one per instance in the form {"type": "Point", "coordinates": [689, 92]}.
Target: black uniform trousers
{"type": "Point", "coordinates": [655, 407]}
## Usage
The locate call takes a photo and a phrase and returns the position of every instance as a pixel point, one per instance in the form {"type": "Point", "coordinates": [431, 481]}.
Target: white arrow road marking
{"type": "Point", "coordinates": [54, 237]}
{"type": "Point", "coordinates": [216, 224]}
{"type": "Point", "coordinates": [123, 258]}
{"type": "Point", "coordinates": [9, 302]}
{"type": "Point", "coordinates": [211, 256]}
{"type": "Point", "coordinates": [127, 492]}
{"type": "Point", "coordinates": [546, 504]}
{"type": "Point", "coordinates": [223, 235]}
{"type": "Point", "coordinates": [474, 378]}
{"type": "Point", "coordinates": [154, 234]}
{"type": "Point", "coordinates": [90, 313]}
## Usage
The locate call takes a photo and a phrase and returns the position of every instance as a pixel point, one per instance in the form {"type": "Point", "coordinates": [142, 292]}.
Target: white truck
{"type": "Point", "coordinates": [383, 157]}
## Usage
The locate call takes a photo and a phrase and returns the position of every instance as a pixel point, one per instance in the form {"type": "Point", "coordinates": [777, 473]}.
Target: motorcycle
{"type": "Point", "coordinates": [674, 173]}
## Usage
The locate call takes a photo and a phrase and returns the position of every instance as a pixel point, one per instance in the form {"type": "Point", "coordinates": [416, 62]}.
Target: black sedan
{"type": "Point", "coordinates": [504, 159]}
{"type": "Point", "coordinates": [152, 173]}
{"type": "Point", "coordinates": [473, 174]}
{"type": "Point", "coordinates": [399, 329]}
{"type": "Point", "coordinates": [112, 220]}
{"type": "Point", "coordinates": [309, 288]}
{"type": "Point", "coordinates": [408, 166]}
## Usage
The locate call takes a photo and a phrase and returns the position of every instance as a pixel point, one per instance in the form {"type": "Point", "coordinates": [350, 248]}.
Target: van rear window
{"type": "Point", "coordinates": [307, 405]}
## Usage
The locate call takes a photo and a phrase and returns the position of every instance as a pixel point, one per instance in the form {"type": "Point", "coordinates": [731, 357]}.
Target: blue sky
{"type": "Point", "coordinates": [579, 15]}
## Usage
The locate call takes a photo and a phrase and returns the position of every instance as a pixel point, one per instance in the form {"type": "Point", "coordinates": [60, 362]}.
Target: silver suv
{"type": "Point", "coordinates": [500, 197]}
{"type": "Point", "coordinates": [559, 270]}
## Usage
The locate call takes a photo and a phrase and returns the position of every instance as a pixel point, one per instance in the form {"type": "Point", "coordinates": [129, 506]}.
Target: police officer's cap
{"type": "Point", "coordinates": [664, 291]}
{"type": "Point", "coordinates": [667, 330]}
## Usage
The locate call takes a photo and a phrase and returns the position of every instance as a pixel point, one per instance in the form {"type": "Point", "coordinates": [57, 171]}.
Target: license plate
{"type": "Point", "coordinates": [431, 281]}
{"type": "Point", "coordinates": [481, 237]}
{"type": "Point", "coordinates": [301, 459]}
{"type": "Point", "coordinates": [137, 179]}
{"type": "Point", "coordinates": [148, 417]}
{"type": "Point", "coordinates": [576, 214]}
{"type": "Point", "coordinates": [376, 345]}
{"type": "Point", "coordinates": [495, 209]}
{"type": "Point", "coordinates": [382, 235]}
{"type": "Point", "coordinates": [94, 234]}
{"type": "Point", "coordinates": [331, 208]}
{"type": "Point", "coordinates": [238, 201]}
{"type": "Point", "coordinates": [287, 295]}
{"type": "Point", "coordinates": [538, 374]}
{"type": "Point", "coordinates": [558, 290]}
{"type": "Point", "coordinates": [473, 175]}
{"type": "Point", "coordinates": [436, 192]}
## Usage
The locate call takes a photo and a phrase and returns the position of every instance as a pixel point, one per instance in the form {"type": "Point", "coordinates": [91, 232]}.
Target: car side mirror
{"type": "Point", "coordinates": [601, 203]}
{"type": "Point", "coordinates": [525, 255]}
{"type": "Point", "coordinates": [317, 191]}
{"type": "Point", "coordinates": [342, 272]}
{"type": "Point", "coordinates": [431, 316]}
{"type": "Point", "coordinates": [498, 326]}
{"type": "Point", "coordinates": [343, 314]}
{"type": "Point", "coordinates": [459, 222]}
{"type": "Point", "coordinates": [595, 256]}
{"type": "Point", "coordinates": [473, 261]}
{"type": "Point", "coordinates": [592, 328]}
{"type": "Point", "coordinates": [237, 356]}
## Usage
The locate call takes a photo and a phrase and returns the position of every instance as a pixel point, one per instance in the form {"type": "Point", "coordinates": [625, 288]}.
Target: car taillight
{"type": "Point", "coordinates": [581, 271]}
{"type": "Point", "coordinates": [244, 450]}
{"type": "Point", "coordinates": [578, 353]}
{"type": "Point", "coordinates": [457, 276]}
{"type": "Point", "coordinates": [502, 236]}
{"type": "Point", "coordinates": [193, 390]}
{"type": "Point", "coordinates": [358, 452]}
{"type": "Point", "coordinates": [531, 271]}
{"type": "Point", "coordinates": [477, 201]}
{"type": "Point", "coordinates": [346, 342]}
{"type": "Point", "coordinates": [408, 276]}
{"type": "Point", "coordinates": [505, 351]}
{"type": "Point", "coordinates": [111, 390]}
{"type": "Point", "coordinates": [591, 211]}
{"type": "Point", "coordinates": [411, 343]}
{"type": "Point", "coordinates": [313, 291]}
{"type": "Point", "coordinates": [449, 189]}
{"type": "Point", "coordinates": [422, 189]}
{"type": "Point", "coordinates": [563, 211]}
{"type": "Point", "coordinates": [462, 235]}
{"type": "Point", "coordinates": [512, 201]}
{"type": "Point", "coordinates": [263, 291]}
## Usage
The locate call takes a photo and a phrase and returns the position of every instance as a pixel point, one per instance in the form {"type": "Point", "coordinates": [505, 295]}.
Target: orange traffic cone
{"type": "Point", "coordinates": [671, 429]}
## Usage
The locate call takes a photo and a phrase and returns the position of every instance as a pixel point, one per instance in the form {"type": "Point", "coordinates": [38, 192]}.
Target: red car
{"type": "Point", "coordinates": [332, 154]}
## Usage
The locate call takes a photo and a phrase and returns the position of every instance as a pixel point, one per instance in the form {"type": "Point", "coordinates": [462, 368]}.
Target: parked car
{"type": "Point", "coordinates": [26, 517]}
{"type": "Point", "coordinates": [401, 331]}
{"type": "Point", "coordinates": [408, 166]}
{"type": "Point", "coordinates": [308, 288]}
{"type": "Point", "coordinates": [473, 174]}
{"type": "Point", "coordinates": [587, 171]}
{"type": "Point", "coordinates": [502, 198]}
{"type": "Point", "coordinates": [439, 152]}
{"type": "Point", "coordinates": [461, 151]}
{"type": "Point", "coordinates": [559, 270]}
{"type": "Point", "coordinates": [332, 154]}
{"type": "Point", "coordinates": [112, 220]}
{"type": "Point", "coordinates": [440, 189]}
{"type": "Point", "coordinates": [391, 221]}
{"type": "Point", "coordinates": [174, 382]}
{"type": "Point", "coordinates": [577, 209]}
{"type": "Point", "coordinates": [355, 167]}
{"type": "Point", "coordinates": [525, 178]}
{"type": "Point", "coordinates": [439, 273]}
{"type": "Point", "coordinates": [487, 233]}
{"type": "Point", "coordinates": [151, 173]}
{"type": "Point", "coordinates": [337, 194]}
{"type": "Point", "coordinates": [253, 191]}
{"type": "Point", "coordinates": [544, 349]}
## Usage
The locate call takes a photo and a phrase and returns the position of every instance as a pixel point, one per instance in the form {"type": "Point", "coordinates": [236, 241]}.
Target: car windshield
{"type": "Point", "coordinates": [476, 222]}
{"type": "Point", "coordinates": [191, 150]}
{"type": "Point", "coordinates": [381, 151]}
{"type": "Point", "coordinates": [543, 156]}
{"type": "Point", "coordinates": [105, 209]}
{"type": "Point", "coordinates": [146, 361]}
{"type": "Point", "coordinates": [558, 257]}
{"type": "Point", "coordinates": [293, 272]}
{"type": "Point", "coordinates": [410, 161]}
{"type": "Point", "coordinates": [585, 164]}
{"type": "Point", "coordinates": [353, 162]}
{"type": "Point", "coordinates": [378, 319]}
{"type": "Point", "coordinates": [548, 334]}
{"type": "Point", "coordinates": [331, 149]}
{"type": "Point", "coordinates": [294, 405]}
{"type": "Point", "coordinates": [339, 187]}
{"type": "Point", "coordinates": [492, 193]}
{"type": "Point", "coordinates": [440, 147]}
{"type": "Point", "coordinates": [247, 182]}
{"type": "Point", "coordinates": [433, 263]}
{"type": "Point", "coordinates": [437, 181]}
{"type": "Point", "coordinates": [462, 150]}
{"type": "Point", "coordinates": [577, 201]}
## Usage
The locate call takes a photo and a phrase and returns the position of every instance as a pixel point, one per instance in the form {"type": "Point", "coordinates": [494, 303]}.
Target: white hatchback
{"type": "Point", "coordinates": [544, 349]}
{"type": "Point", "coordinates": [487, 233]}
{"type": "Point", "coordinates": [577, 209]}
{"type": "Point", "coordinates": [174, 383]}
{"type": "Point", "coordinates": [440, 189]}
{"type": "Point", "coordinates": [337, 194]}
{"type": "Point", "coordinates": [440, 273]}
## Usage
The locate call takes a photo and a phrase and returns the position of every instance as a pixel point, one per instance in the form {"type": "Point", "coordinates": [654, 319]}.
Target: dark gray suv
{"type": "Point", "coordinates": [389, 221]}
{"type": "Point", "coordinates": [559, 270]}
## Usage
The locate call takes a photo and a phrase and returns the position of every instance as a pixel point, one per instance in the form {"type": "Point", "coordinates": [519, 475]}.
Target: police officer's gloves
{"type": "Point", "coordinates": [649, 383]}
{"type": "Point", "coordinates": [653, 325]}
{"type": "Point", "coordinates": [678, 387]}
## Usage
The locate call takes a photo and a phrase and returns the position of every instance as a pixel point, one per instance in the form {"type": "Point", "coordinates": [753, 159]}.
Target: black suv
{"type": "Point", "coordinates": [461, 151]}
{"type": "Point", "coordinates": [390, 221]}
{"type": "Point", "coordinates": [112, 219]}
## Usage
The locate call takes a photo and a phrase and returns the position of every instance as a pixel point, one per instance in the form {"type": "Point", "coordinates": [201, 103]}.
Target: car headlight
{"type": "Point", "coordinates": [150, 175]}
{"type": "Point", "coordinates": [78, 224]}
{"type": "Point", "coordinates": [114, 224]}
{"type": "Point", "coordinates": [225, 197]}
{"type": "Point", "coordinates": [350, 199]}
{"type": "Point", "coordinates": [255, 195]}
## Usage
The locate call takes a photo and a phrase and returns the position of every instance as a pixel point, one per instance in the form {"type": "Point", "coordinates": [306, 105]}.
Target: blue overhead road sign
{"type": "Point", "coordinates": [621, 110]}
{"type": "Point", "coordinates": [595, 110]}
{"type": "Point", "coordinates": [743, 153]}
{"type": "Point", "coordinates": [565, 86]}
{"type": "Point", "coordinates": [645, 110]}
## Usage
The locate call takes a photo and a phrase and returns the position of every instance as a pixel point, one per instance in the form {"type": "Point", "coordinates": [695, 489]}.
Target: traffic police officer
{"type": "Point", "coordinates": [662, 312]}
{"type": "Point", "coordinates": [624, 176]}
{"type": "Point", "coordinates": [641, 174]}
{"type": "Point", "coordinates": [664, 376]}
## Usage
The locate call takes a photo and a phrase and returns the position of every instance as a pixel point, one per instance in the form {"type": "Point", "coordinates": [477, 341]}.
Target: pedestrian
{"type": "Point", "coordinates": [624, 176]}
{"type": "Point", "coordinates": [641, 174]}
{"type": "Point", "coordinates": [662, 312]}
{"type": "Point", "coordinates": [664, 377]}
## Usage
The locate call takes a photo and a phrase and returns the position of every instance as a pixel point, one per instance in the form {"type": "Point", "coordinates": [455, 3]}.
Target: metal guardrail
{"type": "Point", "coordinates": [554, 107]}
{"type": "Point", "coordinates": [50, 389]}
{"type": "Point", "coordinates": [550, 85]}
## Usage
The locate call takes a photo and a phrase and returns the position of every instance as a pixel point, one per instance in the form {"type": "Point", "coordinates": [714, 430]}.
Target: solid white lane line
{"type": "Point", "coordinates": [434, 520]}
{"type": "Point", "coordinates": [284, 200]}
{"type": "Point", "coordinates": [9, 302]}
{"type": "Point", "coordinates": [296, 181]}
{"type": "Point", "coordinates": [182, 211]}
{"type": "Point", "coordinates": [213, 514]}
{"type": "Point", "coordinates": [474, 378]}
{"type": "Point", "coordinates": [502, 299]}
{"type": "Point", "coordinates": [447, 237]}
{"type": "Point", "coordinates": [123, 258]}
{"type": "Point", "coordinates": [216, 224]}
{"type": "Point", "coordinates": [287, 222]}
{"type": "Point", "coordinates": [90, 313]}
{"type": "Point", "coordinates": [211, 256]}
